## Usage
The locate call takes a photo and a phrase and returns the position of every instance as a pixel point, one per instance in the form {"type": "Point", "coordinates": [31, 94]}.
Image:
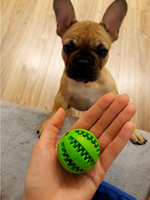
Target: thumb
{"type": "Point", "coordinates": [52, 128]}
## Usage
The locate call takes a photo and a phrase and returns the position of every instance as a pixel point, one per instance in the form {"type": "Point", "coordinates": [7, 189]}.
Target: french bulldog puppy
{"type": "Point", "coordinates": [85, 52]}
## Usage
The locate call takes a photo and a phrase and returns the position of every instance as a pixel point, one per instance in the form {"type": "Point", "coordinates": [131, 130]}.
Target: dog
{"type": "Point", "coordinates": [85, 52]}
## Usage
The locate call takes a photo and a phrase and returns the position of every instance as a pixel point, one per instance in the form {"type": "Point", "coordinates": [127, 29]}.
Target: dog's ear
{"type": "Point", "coordinates": [65, 15]}
{"type": "Point", "coordinates": [113, 18]}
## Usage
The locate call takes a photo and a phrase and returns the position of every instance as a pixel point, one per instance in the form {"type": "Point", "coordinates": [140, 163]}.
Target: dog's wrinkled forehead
{"type": "Point", "coordinates": [87, 33]}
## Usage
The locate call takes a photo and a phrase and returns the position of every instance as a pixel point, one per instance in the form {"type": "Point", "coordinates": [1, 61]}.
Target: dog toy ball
{"type": "Point", "coordinates": [78, 151]}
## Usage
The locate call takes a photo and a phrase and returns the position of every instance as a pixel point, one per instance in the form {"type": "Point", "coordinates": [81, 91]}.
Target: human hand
{"type": "Point", "coordinates": [109, 120]}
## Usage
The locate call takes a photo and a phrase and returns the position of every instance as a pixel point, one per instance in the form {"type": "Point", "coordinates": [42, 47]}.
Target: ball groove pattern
{"type": "Point", "coordinates": [78, 151]}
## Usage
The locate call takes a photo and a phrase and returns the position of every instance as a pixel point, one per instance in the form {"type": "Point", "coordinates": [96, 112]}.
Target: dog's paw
{"type": "Point", "coordinates": [138, 138]}
{"type": "Point", "coordinates": [41, 128]}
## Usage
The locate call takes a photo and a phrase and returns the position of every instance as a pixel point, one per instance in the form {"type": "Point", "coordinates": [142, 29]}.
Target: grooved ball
{"type": "Point", "coordinates": [78, 151]}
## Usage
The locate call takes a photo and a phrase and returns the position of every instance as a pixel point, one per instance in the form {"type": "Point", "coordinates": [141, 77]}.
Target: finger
{"type": "Point", "coordinates": [111, 132]}
{"type": "Point", "coordinates": [111, 113]}
{"type": "Point", "coordinates": [52, 128]}
{"type": "Point", "coordinates": [115, 147]}
{"type": "Point", "coordinates": [93, 114]}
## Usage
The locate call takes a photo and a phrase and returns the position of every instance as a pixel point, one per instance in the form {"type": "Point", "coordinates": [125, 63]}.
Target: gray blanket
{"type": "Point", "coordinates": [130, 172]}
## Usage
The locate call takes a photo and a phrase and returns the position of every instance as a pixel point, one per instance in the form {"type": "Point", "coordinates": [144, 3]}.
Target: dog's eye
{"type": "Point", "coordinates": [68, 48]}
{"type": "Point", "coordinates": [102, 52]}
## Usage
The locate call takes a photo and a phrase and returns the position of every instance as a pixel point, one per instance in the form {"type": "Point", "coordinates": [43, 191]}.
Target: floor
{"type": "Point", "coordinates": [31, 63]}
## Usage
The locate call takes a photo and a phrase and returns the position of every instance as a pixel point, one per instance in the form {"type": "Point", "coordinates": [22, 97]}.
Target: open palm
{"type": "Point", "coordinates": [109, 120]}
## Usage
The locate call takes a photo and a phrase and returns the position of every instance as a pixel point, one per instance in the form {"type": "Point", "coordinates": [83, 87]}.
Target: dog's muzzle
{"type": "Point", "coordinates": [82, 70]}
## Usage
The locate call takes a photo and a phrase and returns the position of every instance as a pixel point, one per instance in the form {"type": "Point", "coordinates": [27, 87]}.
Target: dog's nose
{"type": "Point", "coordinates": [81, 62]}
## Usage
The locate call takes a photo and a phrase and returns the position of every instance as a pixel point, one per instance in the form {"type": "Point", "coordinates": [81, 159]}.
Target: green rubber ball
{"type": "Point", "coordinates": [78, 151]}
